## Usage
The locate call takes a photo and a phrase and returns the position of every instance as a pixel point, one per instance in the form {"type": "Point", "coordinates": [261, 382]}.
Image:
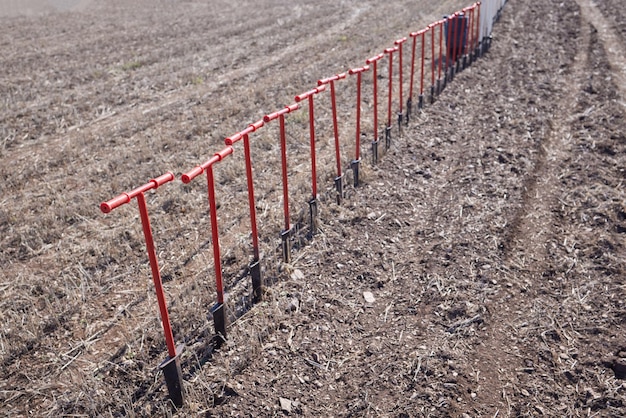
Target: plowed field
{"type": "Point", "coordinates": [489, 240]}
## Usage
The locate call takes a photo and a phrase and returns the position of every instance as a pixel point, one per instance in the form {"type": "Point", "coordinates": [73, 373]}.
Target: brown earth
{"type": "Point", "coordinates": [490, 235]}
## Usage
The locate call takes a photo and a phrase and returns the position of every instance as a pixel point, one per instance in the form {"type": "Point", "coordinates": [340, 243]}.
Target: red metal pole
{"type": "Point", "coordinates": [156, 275]}
{"type": "Point", "coordinates": [313, 159]}
{"type": "Point", "coordinates": [432, 47]}
{"type": "Point", "coordinates": [413, 48]}
{"type": "Point", "coordinates": [463, 23]}
{"type": "Point", "coordinates": [171, 366]}
{"type": "Point", "coordinates": [455, 34]}
{"type": "Point", "coordinates": [399, 43]}
{"type": "Point", "coordinates": [477, 36]}
{"type": "Point", "coordinates": [373, 61]}
{"type": "Point", "coordinates": [474, 17]}
{"type": "Point", "coordinates": [462, 26]}
{"type": "Point", "coordinates": [461, 35]}
{"type": "Point", "coordinates": [431, 27]}
{"type": "Point", "coordinates": [251, 201]}
{"type": "Point", "coordinates": [448, 43]}
{"type": "Point", "coordinates": [219, 317]}
{"type": "Point", "coordinates": [390, 52]}
{"type": "Point", "coordinates": [470, 31]}
{"type": "Point", "coordinates": [478, 40]}
{"type": "Point", "coordinates": [333, 103]}
{"type": "Point", "coordinates": [283, 158]}
{"type": "Point", "coordinates": [286, 232]}
{"type": "Point", "coordinates": [255, 267]}
{"type": "Point", "coordinates": [333, 100]}
{"type": "Point", "coordinates": [358, 72]}
{"type": "Point", "coordinates": [124, 198]}
{"type": "Point", "coordinates": [313, 202]}
{"type": "Point", "coordinates": [423, 33]}
{"type": "Point", "coordinates": [298, 99]}
{"type": "Point", "coordinates": [215, 236]}
{"type": "Point", "coordinates": [186, 178]}
{"type": "Point", "coordinates": [414, 35]}
{"type": "Point", "coordinates": [357, 152]}
{"type": "Point", "coordinates": [440, 46]}
{"type": "Point", "coordinates": [476, 23]}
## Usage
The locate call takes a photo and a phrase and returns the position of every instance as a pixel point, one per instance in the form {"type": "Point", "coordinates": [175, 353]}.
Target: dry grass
{"type": "Point", "coordinates": [439, 233]}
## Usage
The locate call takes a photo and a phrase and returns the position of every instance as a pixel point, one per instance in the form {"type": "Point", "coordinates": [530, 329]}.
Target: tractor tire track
{"type": "Point", "coordinates": [505, 371]}
{"type": "Point", "coordinates": [613, 44]}
{"type": "Point", "coordinates": [498, 357]}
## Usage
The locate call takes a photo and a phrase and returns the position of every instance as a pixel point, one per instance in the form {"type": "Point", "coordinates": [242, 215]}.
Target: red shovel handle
{"type": "Point", "coordinates": [309, 93]}
{"type": "Point", "coordinates": [358, 70]}
{"type": "Point", "coordinates": [257, 125]}
{"type": "Point", "coordinates": [118, 201]}
{"type": "Point", "coordinates": [374, 59]}
{"type": "Point", "coordinates": [329, 79]}
{"type": "Point", "coordinates": [196, 171]}
{"type": "Point", "coordinates": [286, 109]}
{"type": "Point", "coordinates": [124, 198]}
{"type": "Point", "coordinates": [162, 179]}
{"type": "Point", "coordinates": [418, 33]}
{"type": "Point", "coordinates": [233, 138]}
{"type": "Point", "coordinates": [224, 153]}
{"type": "Point", "coordinates": [239, 135]}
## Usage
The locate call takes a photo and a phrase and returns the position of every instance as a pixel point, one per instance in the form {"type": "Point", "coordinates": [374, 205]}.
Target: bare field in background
{"type": "Point", "coordinates": [14, 8]}
{"type": "Point", "coordinates": [491, 234]}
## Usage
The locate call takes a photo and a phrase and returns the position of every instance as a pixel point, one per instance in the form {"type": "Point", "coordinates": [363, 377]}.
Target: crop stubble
{"type": "Point", "coordinates": [490, 236]}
